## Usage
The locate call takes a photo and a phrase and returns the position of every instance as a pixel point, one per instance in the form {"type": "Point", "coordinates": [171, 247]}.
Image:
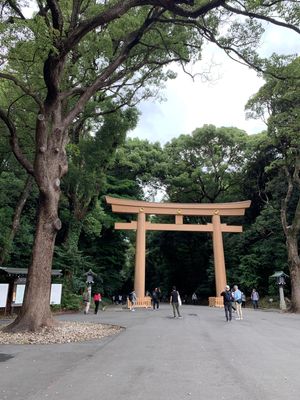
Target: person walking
{"type": "Point", "coordinates": [243, 300]}
{"type": "Point", "coordinates": [194, 298]}
{"type": "Point", "coordinates": [175, 301]}
{"type": "Point", "coordinates": [237, 294]}
{"type": "Point", "coordinates": [86, 301]}
{"type": "Point", "coordinates": [97, 299]}
{"type": "Point", "coordinates": [132, 300]}
{"type": "Point", "coordinates": [155, 298]}
{"type": "Point", "coordinates": [254, 299]}
{"type": "Point", "coordinates": [227, 299]}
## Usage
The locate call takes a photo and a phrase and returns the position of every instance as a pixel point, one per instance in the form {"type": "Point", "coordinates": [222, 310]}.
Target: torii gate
{"type": "Point", "coordinates": [144, 208]}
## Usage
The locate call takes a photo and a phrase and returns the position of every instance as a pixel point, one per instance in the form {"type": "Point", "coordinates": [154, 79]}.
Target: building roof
{"type": "Point", "coordinates": [24, 271]}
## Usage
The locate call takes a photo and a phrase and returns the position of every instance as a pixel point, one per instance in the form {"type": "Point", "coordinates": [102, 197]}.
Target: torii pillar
{"type": "Point", "coordinates": [140, 256]}
{"type": "Point", "coordinates": [219, 260]}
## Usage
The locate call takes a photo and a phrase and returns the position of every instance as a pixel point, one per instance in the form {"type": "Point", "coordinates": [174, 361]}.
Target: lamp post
{"type": "Point", "coordinates": [280, 277]}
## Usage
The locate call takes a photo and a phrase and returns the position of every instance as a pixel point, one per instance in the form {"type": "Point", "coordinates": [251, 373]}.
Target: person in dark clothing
{"type": "Point", "coordinates": [155, 298]}
{"type": "Point", "coordinates": [227, 298]}
{"type": "Point", "coordinates": [174, 300]}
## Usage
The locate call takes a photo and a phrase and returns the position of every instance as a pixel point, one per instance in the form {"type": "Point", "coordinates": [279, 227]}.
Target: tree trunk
{"type": "Point", "coordinates": [16, 220]}
{"type": "Point", "coordinates": [49, 166]}
{"type": "Point", "coordinates": [294, 264]}
{"type": "Point", "coordinates": [36, 311]}
{"type": "Point", "coordinates": [74, 231]}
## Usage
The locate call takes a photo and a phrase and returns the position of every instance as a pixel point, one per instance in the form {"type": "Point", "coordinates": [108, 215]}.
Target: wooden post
{"type": "Point", "coordinates": [140, 255]}
{"type": "Point", "coordinates": [220, 272]}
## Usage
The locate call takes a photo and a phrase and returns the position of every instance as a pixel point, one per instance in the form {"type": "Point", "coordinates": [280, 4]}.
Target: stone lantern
{"type": "Point", "coordinates": [280, 278]}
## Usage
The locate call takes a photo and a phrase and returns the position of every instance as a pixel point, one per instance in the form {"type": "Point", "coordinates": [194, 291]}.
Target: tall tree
{"type": "Point", "coordinates": [278, 102]}
{"type": "Point", "coordinates": [205, 165]}
{"type": "Point", "coordinates": [108, 48]}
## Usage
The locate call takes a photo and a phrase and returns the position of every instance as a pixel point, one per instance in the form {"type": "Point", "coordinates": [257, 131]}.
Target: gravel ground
{"type": "Point", "coordinates": [66, 332]}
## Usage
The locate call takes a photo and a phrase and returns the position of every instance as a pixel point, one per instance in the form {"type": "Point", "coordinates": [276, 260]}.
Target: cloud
{"type": "Point", "coordinates": [219, 101]}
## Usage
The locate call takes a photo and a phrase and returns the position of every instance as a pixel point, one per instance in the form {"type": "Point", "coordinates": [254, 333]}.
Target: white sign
{"type": "Point", "coordinates": [3, 294]}
{"type": "Point", "coordinates": [19, 294]}
{"type": "Point", "coordinates": [55, 297]}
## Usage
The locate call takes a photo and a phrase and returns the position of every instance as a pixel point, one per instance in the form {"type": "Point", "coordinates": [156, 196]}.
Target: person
{"type": "Point", "coordinates": [155, 298]}
{"type": "Point", "coordinates": [227, 300]}
{"type": "Point", "coordinates": [237, 294]}
{"type": "Point", "coordinates": [97, 299]}
{"type": "Point", "coordinates": [86, 301]}
{"type": "Point", "coordinates": [194, 298]}
{"type": "Point", "coordinates": [243, 300]}
{"type": "Point", "coordinates": [254, 299]}
{"type": "Point", "coordinates": [174, 301]}
{"type": "Point", "coordinates": [132, 300]}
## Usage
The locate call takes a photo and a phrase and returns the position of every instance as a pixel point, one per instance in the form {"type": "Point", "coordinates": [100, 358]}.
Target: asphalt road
{"type": "Point", "coordinates": [158, 357]}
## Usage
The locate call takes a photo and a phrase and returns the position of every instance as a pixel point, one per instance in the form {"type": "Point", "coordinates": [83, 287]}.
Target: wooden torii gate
{"type": "Point", "coordinates": [141, 225]}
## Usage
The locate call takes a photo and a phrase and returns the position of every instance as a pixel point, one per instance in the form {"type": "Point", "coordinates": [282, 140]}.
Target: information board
{"type": "Point", "coordinates": [55, 296]}
{"type": "Point", "coordinates": [3, 294]}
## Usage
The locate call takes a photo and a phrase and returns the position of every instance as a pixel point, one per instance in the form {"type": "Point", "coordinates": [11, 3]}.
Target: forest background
{"type": "Point", "coordinates": [72, 74]}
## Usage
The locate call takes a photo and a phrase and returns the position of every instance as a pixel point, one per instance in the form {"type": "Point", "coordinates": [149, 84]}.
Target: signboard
{"type": "Point", "coordinates": [20, 289]}
{"type": "Point", "coordinates": [55, 296]}
{"type": "Point", "coordinates": [3, 294]}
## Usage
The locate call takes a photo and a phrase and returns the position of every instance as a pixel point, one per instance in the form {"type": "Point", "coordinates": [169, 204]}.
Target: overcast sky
{"type": "Point", "coordinates": [191, 104]}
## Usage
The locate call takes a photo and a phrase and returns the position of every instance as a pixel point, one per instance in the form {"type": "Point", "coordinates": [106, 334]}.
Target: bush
{"type": "Point", "coordinates": [71, 301]}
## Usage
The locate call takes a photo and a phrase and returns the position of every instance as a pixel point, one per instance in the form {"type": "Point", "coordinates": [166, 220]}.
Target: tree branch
{"type": "Point", "coordinates": [15, 143]}
{"type": "Point", "coordinates": [22, 87]}
{"type": "Point", "coordinates": [57, 17]}
{"type": "Point", "coordinates": [260, 16]}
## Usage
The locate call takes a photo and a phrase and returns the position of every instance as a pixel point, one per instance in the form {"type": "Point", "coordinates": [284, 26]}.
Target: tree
{"type": "Point", "coordinates": [278, 101]}
{"type": "Point", "coordinates": [70, 53]}
{"type": "Point", "coordinates": [206, 165]}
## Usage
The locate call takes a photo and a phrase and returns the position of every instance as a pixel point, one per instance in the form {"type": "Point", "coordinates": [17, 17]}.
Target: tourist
{"type": "Point", "coordinates": [175, 302]}
{"type": "Point", "coordinates": [97, 299]}
{"type": "Point", "coordinates": [254, 299]}
{"type": "Point", "coordinates": [155, 298]}
{"type": "Point", "coordinates": [86, 301]}
{"type": "Point", "coordinates": [194, 298]}
{"type": "Point", "coordinates": [132, 300]}
{"type": "Point", "coordinates": [237, 294]}
{"type": "Point", "coordinates": [243, 300]}
{"type": "Point", "coordinates": [227, 300]}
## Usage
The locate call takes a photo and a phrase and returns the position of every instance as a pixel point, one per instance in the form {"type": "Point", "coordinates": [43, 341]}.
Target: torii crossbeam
{"type": "Point", "coordinates": [141, 225]}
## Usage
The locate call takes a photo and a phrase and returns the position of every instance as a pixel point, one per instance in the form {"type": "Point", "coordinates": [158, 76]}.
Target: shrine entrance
{"type": "Point", "coordinates": [141, 225]}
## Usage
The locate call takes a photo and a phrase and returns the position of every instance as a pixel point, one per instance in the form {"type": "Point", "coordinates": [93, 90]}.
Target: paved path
{"type": "Point", "coordinates": [158, 357]}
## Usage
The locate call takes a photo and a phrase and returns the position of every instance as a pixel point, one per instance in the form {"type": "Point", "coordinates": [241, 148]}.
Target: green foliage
{"type": "Point", "coordinates": [70, 300]}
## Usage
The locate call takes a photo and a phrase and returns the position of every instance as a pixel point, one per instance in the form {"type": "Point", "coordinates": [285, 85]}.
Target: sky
{"type": "Point", "coordinates": [220, 101]}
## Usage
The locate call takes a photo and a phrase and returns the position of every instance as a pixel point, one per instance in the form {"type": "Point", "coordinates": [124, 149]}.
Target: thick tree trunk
{"type": "Point", "coordinates": [36, 311]}
{"type": "Point", "coordinates": [294, 263]}
{"type": "Point", "coordinates": [74, 231]}
{"type": "Point", "coordinates": [16, 220]}
{"type": "Point", "coordinates": [49, 166]}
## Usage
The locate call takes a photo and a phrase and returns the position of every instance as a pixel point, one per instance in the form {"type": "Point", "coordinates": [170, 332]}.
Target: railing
{"type": "Point", "coordinates": [141, 302]}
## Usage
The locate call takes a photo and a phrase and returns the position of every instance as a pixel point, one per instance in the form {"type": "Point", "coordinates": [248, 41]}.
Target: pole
{"type": "Point", "coordinates": [140, 255]}
{"type": "Point", "coordinates": [281, 296]}
{"type": "Point", "coordinates": [220, 272]}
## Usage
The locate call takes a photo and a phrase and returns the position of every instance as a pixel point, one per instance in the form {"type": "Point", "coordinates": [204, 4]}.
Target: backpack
{"type": "Point", "coordinates": [130, 296]}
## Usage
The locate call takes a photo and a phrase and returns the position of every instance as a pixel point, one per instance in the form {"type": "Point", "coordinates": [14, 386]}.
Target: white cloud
{"type": "Point", "coordinates": [191, 104]}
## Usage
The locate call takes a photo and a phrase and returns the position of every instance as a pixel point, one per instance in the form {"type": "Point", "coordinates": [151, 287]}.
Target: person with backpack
{"type": "Point", "coordinates": [237, 294]}
{"type": "Point", "coordinates": [227, 299]}
{"type": "Point", "coordinates": [155, 298]}
{"type": "Point", "coordinates": [175, 301]}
